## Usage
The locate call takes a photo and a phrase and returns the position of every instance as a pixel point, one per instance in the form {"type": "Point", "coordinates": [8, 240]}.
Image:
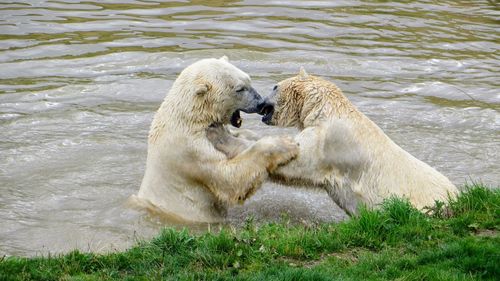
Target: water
{"type": "Point", "coordinates": [80, 82]}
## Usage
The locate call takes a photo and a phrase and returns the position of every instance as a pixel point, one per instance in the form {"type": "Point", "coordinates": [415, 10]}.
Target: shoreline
{"type": "Point", "coordinates": [459, 242]}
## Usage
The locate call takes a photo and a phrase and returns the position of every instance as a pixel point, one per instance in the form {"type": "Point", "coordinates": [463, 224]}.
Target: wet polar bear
{"type": "Point", "coordinates": [341, 149]}
{"type": "Point", "coordinates": [186, 177]}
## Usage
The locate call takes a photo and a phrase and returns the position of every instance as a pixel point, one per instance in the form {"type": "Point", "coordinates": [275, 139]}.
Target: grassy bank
{"type": "Point", "coordinates": [396, 242]}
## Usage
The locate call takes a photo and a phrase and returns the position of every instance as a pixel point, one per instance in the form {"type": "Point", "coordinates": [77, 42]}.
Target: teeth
{"type": "Point", "coordinates": [236, 119]}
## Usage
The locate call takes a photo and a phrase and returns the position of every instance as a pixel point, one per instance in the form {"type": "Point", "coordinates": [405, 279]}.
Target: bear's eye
{"type": "Point", "coordinates": [240, 89]}
{"type": "Point", "coordinates": [275, 87]}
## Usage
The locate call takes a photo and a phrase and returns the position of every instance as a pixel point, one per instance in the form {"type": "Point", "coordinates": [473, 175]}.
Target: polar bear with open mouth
{"type": "Point", "coordinates": [341, 149]}
{"type": "Point", "coordinates": [186, 177]}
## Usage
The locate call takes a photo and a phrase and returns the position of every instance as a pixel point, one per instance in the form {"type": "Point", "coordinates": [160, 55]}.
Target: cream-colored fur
{"type": "Point", "coordinates": [186, 177]}
{"type": "Point", "coordinates": [343, 151]}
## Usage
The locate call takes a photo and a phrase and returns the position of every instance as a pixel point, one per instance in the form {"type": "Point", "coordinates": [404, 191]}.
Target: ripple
{"type": "Point", "coordinates": [80, 82]}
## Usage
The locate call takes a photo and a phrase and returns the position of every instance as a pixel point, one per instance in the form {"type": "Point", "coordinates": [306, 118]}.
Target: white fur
{"type": "Point", "coordinates": [343, 151]}
{"type": "Point", "coordinates": [353, 159]}
{"type": "Point", "coordinates": [186, 177]}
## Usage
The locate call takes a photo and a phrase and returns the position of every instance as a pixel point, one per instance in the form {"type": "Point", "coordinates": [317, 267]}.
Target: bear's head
{"type": "Point", "coordinates": [302, 100]}
{"type": "Point", "coordinates": [213, 91]}
{"type": "Point", "coordinates": [286, 103]}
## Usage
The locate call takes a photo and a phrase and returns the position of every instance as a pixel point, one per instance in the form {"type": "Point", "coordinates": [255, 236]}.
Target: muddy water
{"type": "Point", "coordinates": [79, 83]}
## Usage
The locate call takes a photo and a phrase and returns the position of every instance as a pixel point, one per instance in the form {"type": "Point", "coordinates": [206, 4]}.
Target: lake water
{"type": "Point", "coordinates": [80, 82]}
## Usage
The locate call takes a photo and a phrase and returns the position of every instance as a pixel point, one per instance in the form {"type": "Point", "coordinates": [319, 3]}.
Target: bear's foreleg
{"type": "Point", "coordinates": [235, 179]}
{"type": "Point", "coordinates": [230, 142]}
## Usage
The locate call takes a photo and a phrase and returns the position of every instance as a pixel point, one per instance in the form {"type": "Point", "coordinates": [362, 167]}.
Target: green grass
{"type": "Point", "coordinates": [395, 242]}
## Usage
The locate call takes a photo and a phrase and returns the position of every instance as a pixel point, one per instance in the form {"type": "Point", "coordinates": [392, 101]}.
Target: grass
{"type": "Point", "coordinates": [395, 242]}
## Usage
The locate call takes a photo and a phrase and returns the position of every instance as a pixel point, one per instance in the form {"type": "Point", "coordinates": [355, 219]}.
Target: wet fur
{"type": "Point", "coordinates": [344, 152]}
{"type": "Point", "coordinates": [185, 175]}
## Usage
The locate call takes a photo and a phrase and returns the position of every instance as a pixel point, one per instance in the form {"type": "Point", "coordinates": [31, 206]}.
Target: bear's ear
{"type": "Point", "coordinates": [224, 58]}
{"type": "Point", "coordinates": [201, 89]}
{"type": "Point", "coordinates": [302, 73]}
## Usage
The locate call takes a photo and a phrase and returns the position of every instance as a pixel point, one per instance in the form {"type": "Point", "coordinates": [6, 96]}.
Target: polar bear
{"type": "Point", "coordinates": [341, 149]}
{"type": "Point", "coordinates": [186, 178]}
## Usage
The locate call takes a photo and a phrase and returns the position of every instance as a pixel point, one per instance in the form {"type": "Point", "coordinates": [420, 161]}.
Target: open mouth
{"type": "Point", "coordinates": [236, 119]}
{"type": "Point", "coordinates": [267, 111]}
